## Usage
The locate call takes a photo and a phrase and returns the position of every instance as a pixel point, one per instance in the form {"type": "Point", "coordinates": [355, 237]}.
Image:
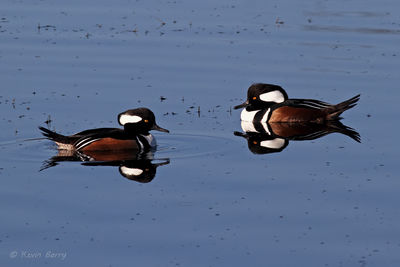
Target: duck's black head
{"type": "Point", "coordinates": [263, 95]}
{"type": "Point", "coordinates": [139, 120]}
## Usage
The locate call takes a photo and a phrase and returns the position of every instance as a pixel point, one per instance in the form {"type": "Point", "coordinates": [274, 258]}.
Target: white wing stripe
{"type": "Point", "coordinates": [82, 141]}
{"type": "Point", "coordinates": [87, 142]}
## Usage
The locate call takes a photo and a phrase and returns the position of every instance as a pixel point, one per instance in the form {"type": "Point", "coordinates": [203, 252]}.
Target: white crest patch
{"type": "Point", "coordinates": [274, 144]}
{"type": "Point", "coordinates": [131, 171]}
{"type": "Point", "coordinates": [124, 119]}
{"type": "Point", "coordinates": [273, 96]}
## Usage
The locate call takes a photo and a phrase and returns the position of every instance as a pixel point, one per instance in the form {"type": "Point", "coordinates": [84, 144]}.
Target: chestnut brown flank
{"type": "Point", "coordinates": [292, 114]}
{"type": "Point", "coordinates": [111, 144]}
{"type": "Point", "coordinates": [287, 129]}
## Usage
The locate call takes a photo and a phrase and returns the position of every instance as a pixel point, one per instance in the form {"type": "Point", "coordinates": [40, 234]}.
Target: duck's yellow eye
{"type": "Point", "coordinates": [255, 142]}
{"type": "Point", "coordinates": [254, 98]}
{"type": "Point", "coordinates": [146, 121]}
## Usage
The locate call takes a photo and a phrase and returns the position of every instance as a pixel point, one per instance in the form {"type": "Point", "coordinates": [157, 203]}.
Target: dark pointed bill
{"type": "Point", "coordinates": [236, 133]}
{"type": "Point", "coordinates": [158, 128]}
{"type": "Point", "coordinates": [165, 162]}
{"type": "Point", "coordinates": [243, 105]}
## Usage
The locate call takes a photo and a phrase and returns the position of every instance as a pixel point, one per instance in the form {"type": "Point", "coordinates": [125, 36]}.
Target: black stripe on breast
{"type": "Point", "coordinates": [143, 144]}
{"type": "Point", "coordinates": [259, 115]}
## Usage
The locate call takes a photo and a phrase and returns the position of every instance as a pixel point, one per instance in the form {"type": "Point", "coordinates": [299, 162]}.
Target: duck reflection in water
{"type": "Point", "coordinates": [139, 167]}
{"type": "Point", "coordinates": [264, 137]}
{"type": "Point", "coordinates": [130, 148]}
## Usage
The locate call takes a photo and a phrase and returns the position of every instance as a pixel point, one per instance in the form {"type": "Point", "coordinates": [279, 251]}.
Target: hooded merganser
{"type": "Point", "coordinates": [270, 103]}
{"type": "Point", "coordinates": [135, 135]}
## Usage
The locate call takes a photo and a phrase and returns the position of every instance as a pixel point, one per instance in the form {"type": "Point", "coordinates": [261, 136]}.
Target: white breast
{"type": "Point", "coordinates": [150, 140]}
{"type": "Point", "coordinates": [247, 115]}
{"type": "Point", "coordinates": [248, 127]}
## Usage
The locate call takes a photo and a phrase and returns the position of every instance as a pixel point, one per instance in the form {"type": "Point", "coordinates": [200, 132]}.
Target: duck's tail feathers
{"type": "Point", "coordinates": [337, 126]}
{"type": "Point", "coordinates": [335, 111]}
{"type": "Point", "coordinates": [53, 135]}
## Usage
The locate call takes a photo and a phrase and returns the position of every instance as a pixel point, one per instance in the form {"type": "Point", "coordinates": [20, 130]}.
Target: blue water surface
{"type": "Point", "coordinates": [77, 64]}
